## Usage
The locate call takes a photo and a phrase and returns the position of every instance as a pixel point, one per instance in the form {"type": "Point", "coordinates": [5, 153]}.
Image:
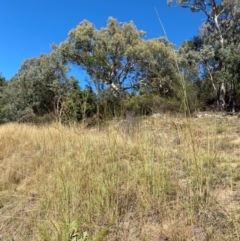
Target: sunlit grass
{"type": "Point", "coordinates": [132, 180]}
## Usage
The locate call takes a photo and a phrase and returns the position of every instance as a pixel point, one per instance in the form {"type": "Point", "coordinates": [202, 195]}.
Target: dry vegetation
{"type": "Point", "coordinates": [163, 178]}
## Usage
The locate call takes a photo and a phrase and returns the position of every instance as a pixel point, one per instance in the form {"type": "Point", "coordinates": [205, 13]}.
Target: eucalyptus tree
{"type": "Point", "coordinates": [107, 54]}
{"type": "Point", "coordinates": [157, 63]}
{"type": "Point", "coordinates": [216, 11]}
{"type": "Point", "coordinates": [40, 86]}
{"type": "Point", "coordinates": [225, 62]}
{"type": "Point", "coordinates": [119, 57]}
{"type": "Point", "coordinates": [220, 45]}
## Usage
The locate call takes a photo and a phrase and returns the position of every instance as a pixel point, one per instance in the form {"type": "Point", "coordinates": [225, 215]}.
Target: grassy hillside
{"type": "Point", "coordinates": [162, 178]}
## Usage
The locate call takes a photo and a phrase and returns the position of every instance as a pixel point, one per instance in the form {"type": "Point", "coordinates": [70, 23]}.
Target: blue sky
{"type": "Point", "coordinates": [29, 27]}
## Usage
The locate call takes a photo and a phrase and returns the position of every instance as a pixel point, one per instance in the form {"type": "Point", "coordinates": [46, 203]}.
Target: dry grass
{"type": "Point", "coordinates": [163, 178]}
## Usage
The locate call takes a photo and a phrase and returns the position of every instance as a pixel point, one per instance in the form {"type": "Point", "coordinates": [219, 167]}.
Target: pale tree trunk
{"type": "Point", "coordinates": [216, 10]}
{"type": "Point", "coordinates": [210, 77]}
{"type": "Point", "coordinates": [115, 88]}
{"type": "Point", "coordinates": [233, 95]}
{"type": "Point", "coordinates": [221, 96]}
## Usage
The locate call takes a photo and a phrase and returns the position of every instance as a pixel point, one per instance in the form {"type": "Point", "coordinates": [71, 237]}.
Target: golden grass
{"type": "Point", "coordinates": [138, 179]}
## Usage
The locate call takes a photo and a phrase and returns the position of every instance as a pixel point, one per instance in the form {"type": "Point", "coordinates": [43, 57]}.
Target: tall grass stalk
{"type": "Point", "coordinates": [184, 98]}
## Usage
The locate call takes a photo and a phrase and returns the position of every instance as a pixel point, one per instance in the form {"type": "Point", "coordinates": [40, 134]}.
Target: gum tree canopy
{"type": "Point", "coordinates": [216, 11]}
{"type": "Point", "coordinates": [107, 54]}
{"type": "Point", "coordinates": [219, 46]}
{"type": "Point", "coordinates": [115, 55]}
{"type": "Point", "coordinates": [40, 85]}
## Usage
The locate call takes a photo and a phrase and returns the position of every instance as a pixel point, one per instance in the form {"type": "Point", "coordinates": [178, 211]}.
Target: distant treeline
{"type": "Point", "coordinates": [130, 75]}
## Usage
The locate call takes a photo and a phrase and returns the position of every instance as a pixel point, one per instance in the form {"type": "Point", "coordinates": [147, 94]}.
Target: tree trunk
{"type": "Point", "coordinates": [233, 96]}
{"type": "Point", "coordinates": [221, 96]}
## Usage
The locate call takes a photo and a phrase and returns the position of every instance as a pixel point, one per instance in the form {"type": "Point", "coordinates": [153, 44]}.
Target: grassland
{"type": "Point", "coordinates": [163, 178]}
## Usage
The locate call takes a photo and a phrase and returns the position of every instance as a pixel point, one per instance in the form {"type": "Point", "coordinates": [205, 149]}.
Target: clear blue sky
{"type": "Point", "coordinates": [29, 27]}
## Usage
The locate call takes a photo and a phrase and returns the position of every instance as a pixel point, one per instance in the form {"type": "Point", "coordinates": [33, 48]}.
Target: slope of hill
{"type": "Point", "coordinates": [163, 178]}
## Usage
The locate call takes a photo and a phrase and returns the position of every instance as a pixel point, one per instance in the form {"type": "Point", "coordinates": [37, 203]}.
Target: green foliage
{"type": "Point", "coordinates": [109, 106]}
{"type": "Point", "coordinates": [80, 104]}
{"type": "Point", "coordinates": [130, 73]}
{"type": "Point", "coordinates": [106, 54]}
{"type": "Point", "coordinates": [158, 65]}
{"type": "Point", "coordinates": [119, 57]}
{"type": "Point", "coordinates": [75, 235]}
{"type": "Point", "coordinates": [215, 51]}
{"type": "Point", "coordinates": [2, 80]}
{"type": "Point", "coordinates": [3, 101]}
{"type": "Point", "coordinates": [40, 86]}
{"type": "Point", "coordinates": [141, 104]}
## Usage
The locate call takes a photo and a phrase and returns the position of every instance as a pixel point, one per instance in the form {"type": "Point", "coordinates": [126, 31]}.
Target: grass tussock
{"type": "Point", "coordinates": [163, 178]}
